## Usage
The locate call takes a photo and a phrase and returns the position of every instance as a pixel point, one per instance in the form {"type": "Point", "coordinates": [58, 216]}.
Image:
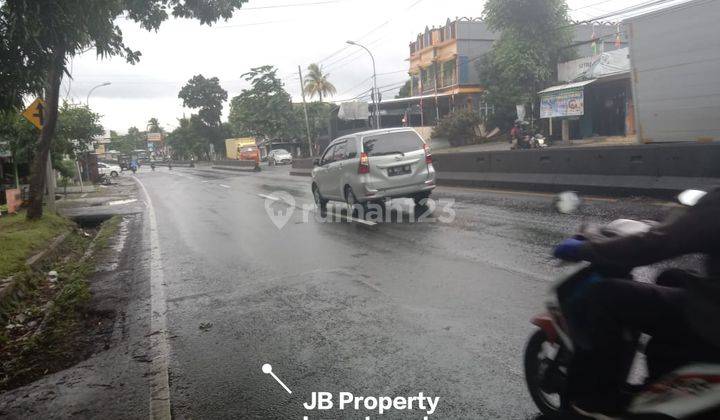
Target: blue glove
{"type": "Point", "coordinates": [569, 250]}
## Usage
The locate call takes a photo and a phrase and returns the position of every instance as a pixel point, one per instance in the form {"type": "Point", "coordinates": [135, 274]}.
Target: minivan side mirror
{"type": "Point", "coordinates": [316, 162]}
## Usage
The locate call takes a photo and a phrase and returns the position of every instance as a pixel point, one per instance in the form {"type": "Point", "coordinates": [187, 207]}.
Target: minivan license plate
{"type": "Point", "coordinates": [399, 170]}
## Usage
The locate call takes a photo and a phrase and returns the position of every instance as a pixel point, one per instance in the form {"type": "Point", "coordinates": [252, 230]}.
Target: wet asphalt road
{"type": "Point", "coordinates": [393, 310]}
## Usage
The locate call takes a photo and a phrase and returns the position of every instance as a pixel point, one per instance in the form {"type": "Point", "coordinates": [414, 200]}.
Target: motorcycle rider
{"type": "Point", "coordinates": [681, 313]}
{"type": "Point", "coordinates": [518, 135]}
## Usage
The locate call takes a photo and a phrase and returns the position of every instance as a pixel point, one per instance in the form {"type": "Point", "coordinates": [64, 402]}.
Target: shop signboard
{"type": "Point", "coordinates": [563, 103]}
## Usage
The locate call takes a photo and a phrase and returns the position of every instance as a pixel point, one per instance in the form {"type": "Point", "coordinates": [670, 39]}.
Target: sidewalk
{"type": "Point", "coordinates": [101, 202]}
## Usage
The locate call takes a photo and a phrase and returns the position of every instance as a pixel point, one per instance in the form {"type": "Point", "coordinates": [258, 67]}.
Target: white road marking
{"type": "Point", "coordinates": [269, 197]}
{"type": "Point", "coordinates": [224, 186]}
{"type": "Point", "coordinates": [159, 382]}
{"type": "Point", "coordinates": [205, 182]}
{"type": "Point", "coordinates": [116, 202]}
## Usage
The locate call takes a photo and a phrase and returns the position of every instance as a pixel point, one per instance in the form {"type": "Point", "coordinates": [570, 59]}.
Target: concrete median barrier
{"type": "Point", "coordinates": [237, 165]}
{"type": "Point", "coordinates": [302, 167]}
{"type": "Point", "coordinates": [654, 170]}
{"type": "Point", "coordinates": [178, 163]}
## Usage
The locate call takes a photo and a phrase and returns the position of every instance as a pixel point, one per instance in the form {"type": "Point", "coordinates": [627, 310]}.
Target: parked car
{"type": "Point", "coordinates": [372, 166]}
{"type": "Point", "coordinates": [109, 169]}
{"type": "Point", "coordinates": [279, 156]}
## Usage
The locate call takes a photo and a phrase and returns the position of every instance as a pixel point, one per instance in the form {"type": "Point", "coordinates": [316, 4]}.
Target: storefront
{"type": "Point", "coordinates": [591, 108]}
{"type": "Point", "coordinates": [595, 101]}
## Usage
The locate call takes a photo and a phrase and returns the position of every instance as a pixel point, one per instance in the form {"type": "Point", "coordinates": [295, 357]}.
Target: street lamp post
{"type": "Point", "coordinates": [87, 100]}
{"type": "Point", "coordinates": [375, 95]}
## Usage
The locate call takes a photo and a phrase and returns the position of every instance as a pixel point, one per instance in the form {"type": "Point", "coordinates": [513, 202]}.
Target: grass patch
{"type": "Point", "coordinates": [53, 326]}
{"type": "Point", "coordinates": [109, 229]}
{"type": "Point", "coordinates": [20, 238]}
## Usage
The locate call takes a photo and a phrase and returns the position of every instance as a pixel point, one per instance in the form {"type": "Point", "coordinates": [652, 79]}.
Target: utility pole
{"type": "Point", "coordinates": [307, 122]}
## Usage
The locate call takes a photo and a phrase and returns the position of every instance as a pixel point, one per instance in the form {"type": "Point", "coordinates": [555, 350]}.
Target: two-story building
{"type": "Point", "coordinates": [443, 65]}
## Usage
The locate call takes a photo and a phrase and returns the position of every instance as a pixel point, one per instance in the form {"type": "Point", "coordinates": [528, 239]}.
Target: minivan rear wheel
{"type": "Point", "coordinates": [352, 201]}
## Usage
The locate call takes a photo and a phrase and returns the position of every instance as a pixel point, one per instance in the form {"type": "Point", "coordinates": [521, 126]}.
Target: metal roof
{"type": "Point", "coordinates": [567, 86]}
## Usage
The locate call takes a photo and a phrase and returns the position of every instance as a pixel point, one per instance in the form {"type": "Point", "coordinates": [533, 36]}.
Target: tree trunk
{"type": "Point", "coordinates": [39, 169]}
{"type": "Point", "coordinates": [320, 95]}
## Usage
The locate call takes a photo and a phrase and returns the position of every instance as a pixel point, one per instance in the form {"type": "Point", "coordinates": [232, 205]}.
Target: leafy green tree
{"type": "Point", "coordinates": [17, 136]}
{"type": "Point", "coordinates": [404, 91]}
{"type": "Point", "coordinates": [207, 96]}
{"type": "Point", "coordinates": [133, 140]}
{"type": "Point", "coordinates": [38, 36]}
{"type": "Point", "coordinates": [265, 109]}
{"type": "Point", "coordinates": [458, 128]}
{"type": "Point", "coordinates": [523, 60]}
{"type": "Point", "coordinates": [186, 141]}
{"type": "Point", "coordinates": [317, 83]}
{"type": "Point", "coordinates": [76, 130]}
{"type": "Point", "coordinates": [318, 119]}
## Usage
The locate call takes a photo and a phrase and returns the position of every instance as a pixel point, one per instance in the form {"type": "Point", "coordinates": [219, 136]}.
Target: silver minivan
{"type": "Point", "coordinates": [372, 166]}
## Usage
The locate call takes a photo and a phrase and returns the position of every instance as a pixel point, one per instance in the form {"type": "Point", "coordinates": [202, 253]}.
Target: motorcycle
{"type": "Point", "coordinates": [688, 392]}
{"type": "Point", "coordinates": [538, 141]}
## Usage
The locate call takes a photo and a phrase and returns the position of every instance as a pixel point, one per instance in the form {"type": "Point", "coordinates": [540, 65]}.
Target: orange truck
{"type": "Point", "coordinates": [244, 148]}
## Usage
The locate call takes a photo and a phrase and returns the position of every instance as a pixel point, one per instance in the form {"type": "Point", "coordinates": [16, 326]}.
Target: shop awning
{"type": "Point", "coordinates": [567, 86]}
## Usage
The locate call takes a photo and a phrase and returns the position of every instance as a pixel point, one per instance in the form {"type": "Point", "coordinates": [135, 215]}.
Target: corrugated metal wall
{"type": "Point", "coordinates": [675, 56]}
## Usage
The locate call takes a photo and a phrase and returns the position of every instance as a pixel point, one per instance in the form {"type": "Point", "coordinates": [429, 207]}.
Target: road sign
{"type": "Point", "coordinates": [35, 113]}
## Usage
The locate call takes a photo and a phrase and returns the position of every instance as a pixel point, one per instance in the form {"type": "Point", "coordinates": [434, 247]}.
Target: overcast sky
{"type": "Point", "coordinates": [283, 33]}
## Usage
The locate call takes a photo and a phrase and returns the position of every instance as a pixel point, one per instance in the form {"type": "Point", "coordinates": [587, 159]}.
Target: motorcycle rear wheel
{"type": "Point", "coordinates": [551, 404]}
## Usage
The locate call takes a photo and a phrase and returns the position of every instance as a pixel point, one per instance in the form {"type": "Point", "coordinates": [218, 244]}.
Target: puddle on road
{"type": "Point", "coordinates": [112, 262]}
{"type": "Point", "coordinates": [118, 202]}
{"type": "Point", "coordinates": [297, 192]}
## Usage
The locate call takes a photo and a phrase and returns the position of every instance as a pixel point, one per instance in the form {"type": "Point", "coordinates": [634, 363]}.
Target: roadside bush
{"type": "Point", "coordinates": [67, 168]}
{"type": "Point", "coordinates": [458, 128]}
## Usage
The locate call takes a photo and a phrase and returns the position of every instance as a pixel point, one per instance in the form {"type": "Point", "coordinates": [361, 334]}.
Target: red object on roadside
{"type": "Point", "coordinates": [14, 200]}
{"type": "Point", "coordinates": [364, 167]}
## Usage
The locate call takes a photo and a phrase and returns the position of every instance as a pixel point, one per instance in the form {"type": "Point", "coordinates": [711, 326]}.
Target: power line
{"type": "Point", "coordinates": [371, 31]}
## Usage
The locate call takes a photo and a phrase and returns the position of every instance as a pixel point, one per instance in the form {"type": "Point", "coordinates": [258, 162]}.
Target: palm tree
{"type": "Point", "coordinates": [317, 83]}
{"type": "Point", "coordinates": [153, 126]}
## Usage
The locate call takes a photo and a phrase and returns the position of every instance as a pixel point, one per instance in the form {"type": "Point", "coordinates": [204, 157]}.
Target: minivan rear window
{"type": "Point", "coordinates": [392, 143]}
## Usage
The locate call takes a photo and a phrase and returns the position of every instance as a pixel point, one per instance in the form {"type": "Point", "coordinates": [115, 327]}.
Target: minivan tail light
{"type": "Point", "coordinates": [428, 156]}
{"type": "Point", "coordinates": [364, 167]}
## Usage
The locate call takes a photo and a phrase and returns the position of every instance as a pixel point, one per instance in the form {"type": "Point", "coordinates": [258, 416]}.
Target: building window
{"type": "Point", "coordinates": [448, 73]}
{"type": "Point", "coordinates": [463, 70]}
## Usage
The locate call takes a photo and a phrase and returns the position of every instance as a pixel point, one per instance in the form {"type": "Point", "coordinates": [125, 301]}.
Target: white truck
{"type": "Point", "coordinates": [675, 58]}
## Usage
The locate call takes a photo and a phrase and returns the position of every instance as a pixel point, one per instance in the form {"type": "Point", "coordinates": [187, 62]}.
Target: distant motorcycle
{"type": "Point", "coordinates": [686, 393]}
{"type": "Point", "coordinates": [538, 141]}
{"type": "Point", "coordinates": [529, 141]}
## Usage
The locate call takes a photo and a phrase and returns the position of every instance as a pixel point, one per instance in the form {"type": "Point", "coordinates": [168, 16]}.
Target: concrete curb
{"type": "Point", "coordinates": [33, 261]}
{"type": "Point", "coordinates": [236, 168]}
